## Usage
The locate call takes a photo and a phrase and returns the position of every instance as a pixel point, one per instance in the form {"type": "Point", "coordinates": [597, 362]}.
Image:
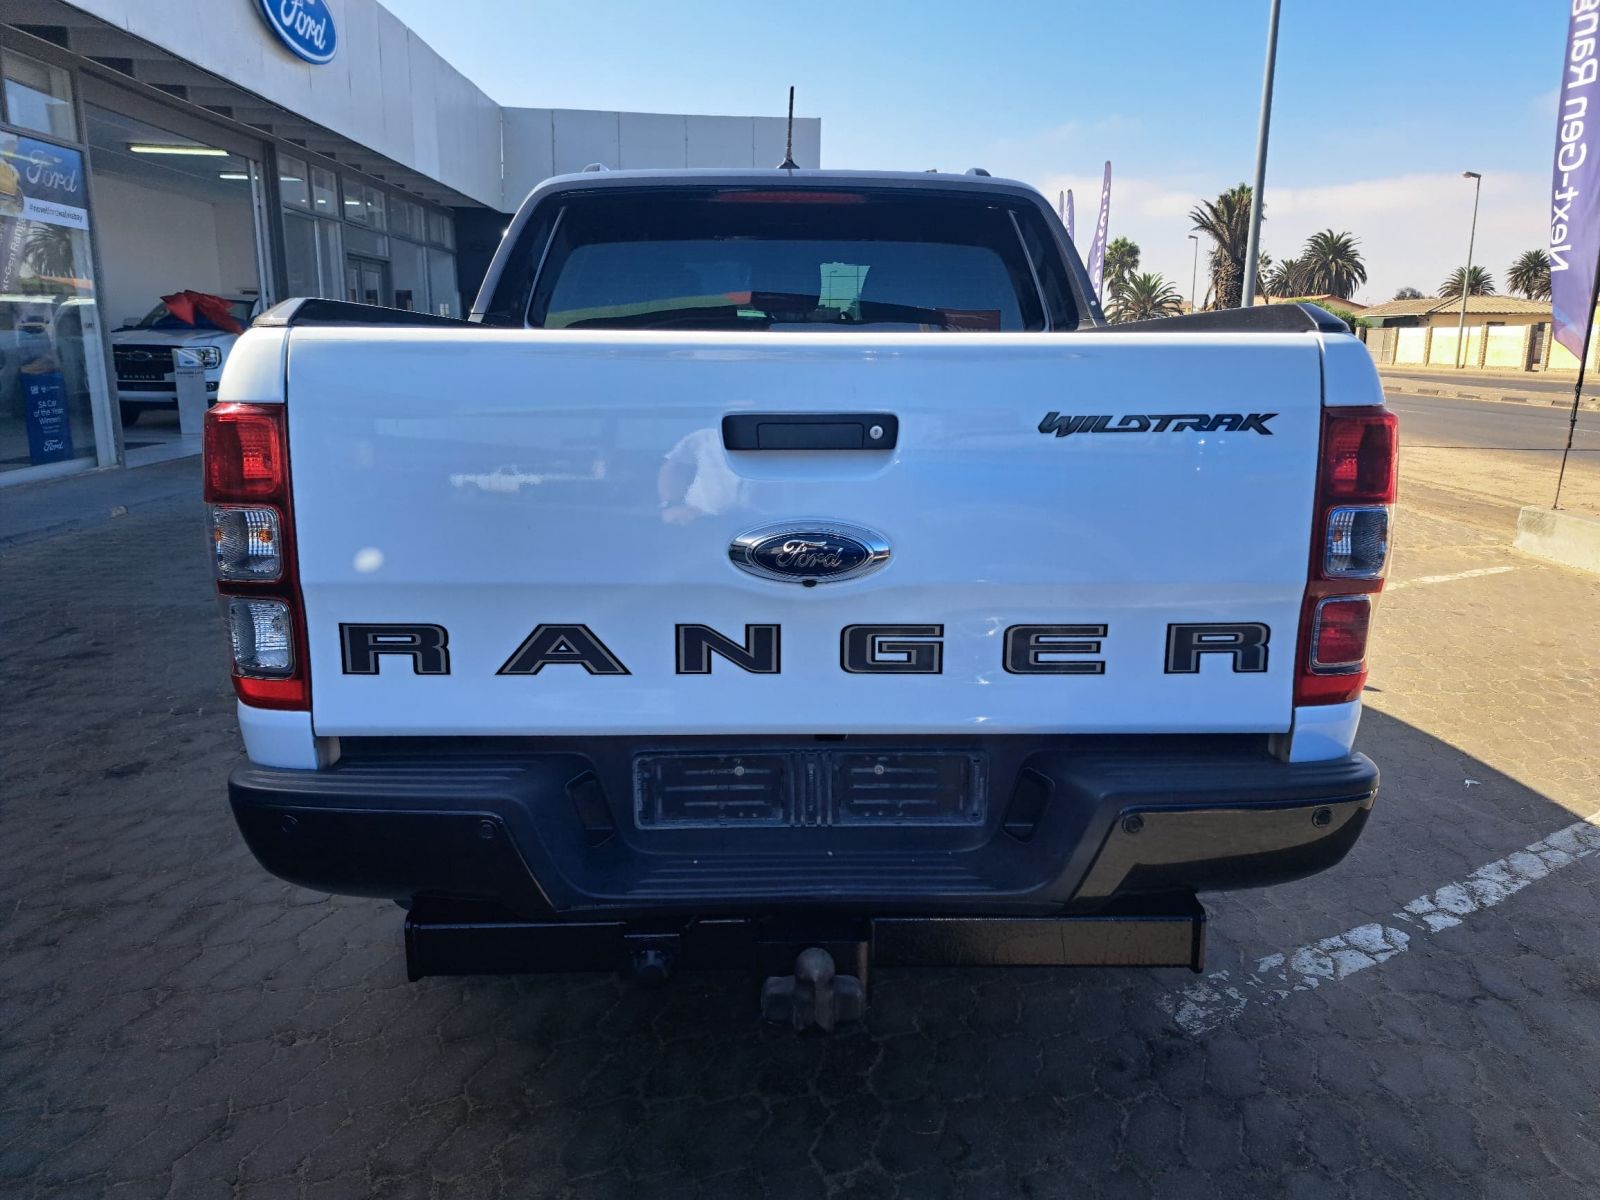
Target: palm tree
{"type": "Point", "coordinates": [1479, 283]}
{"type": "Point", "coordinates": [48, 250]}
{"type": "Point", "coordinates": [1226, 220]}
{"type": "Point", "coordinates": [1122, 260]}
{"type": "Point", "coordinates": [1530, 275]}
{"type": "Point", "coordinates": [1408, 293]}
{"type": "Point", "coordinates": [1142, 297]}
{"type": "Point", "coordinates": [1333, 264]}
{"type": "Point", "coordinates": [1287, 278]}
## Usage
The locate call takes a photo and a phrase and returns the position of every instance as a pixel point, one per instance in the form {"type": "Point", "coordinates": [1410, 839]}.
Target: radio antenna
{"type": "Point", "coordinates": [788, 163]}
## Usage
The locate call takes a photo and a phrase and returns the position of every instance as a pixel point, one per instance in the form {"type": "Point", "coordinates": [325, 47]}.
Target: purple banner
{"type": "Point", "coordinates": [1575, 184]}
{"type": "Point", "coordinates": [1072, 234]}
{"type": "Point", "coordinates": [1097, 250]}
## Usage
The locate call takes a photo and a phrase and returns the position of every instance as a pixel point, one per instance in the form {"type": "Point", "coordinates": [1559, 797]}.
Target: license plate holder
{"type": "Point", "coordinates": [790, 788]}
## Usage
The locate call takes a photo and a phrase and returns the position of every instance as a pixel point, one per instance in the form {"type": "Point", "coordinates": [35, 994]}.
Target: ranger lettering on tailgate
{"type": "Point", "coordinates": [863, 649]}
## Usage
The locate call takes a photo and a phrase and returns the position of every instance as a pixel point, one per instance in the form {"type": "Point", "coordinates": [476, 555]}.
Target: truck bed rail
{"type": "Point", "coordinates": [1267, 318]}
{"type": "Point", "coordinates": [309, 310]}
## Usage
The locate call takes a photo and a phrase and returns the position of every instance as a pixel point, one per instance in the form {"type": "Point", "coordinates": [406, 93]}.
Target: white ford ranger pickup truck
{"type": "Point", "coordinates": [793, 570]}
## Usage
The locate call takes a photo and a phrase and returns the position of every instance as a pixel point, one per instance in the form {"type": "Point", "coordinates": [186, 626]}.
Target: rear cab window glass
{"type": "Point", "coordinates": [786, 260]}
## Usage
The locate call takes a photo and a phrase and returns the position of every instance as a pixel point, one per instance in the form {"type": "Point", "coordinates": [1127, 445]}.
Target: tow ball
{"type": "Point", "coordinates": [816, 994]}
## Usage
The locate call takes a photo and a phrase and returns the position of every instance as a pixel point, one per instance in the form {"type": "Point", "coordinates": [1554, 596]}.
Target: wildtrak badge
{"type": "Point", "coordinates": [1061, 426]}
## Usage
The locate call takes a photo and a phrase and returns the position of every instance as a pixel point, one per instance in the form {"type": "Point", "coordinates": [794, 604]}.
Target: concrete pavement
{"type": "Point", "coordinates": [176, 1023]}
{"type": "Point", "coordinates": [1521, 387]}
{"type": "Point", "coordinates": [34, 510]}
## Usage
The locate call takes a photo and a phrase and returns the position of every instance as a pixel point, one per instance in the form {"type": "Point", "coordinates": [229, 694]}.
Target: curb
{"type": "Point", "coordinates": [1587, 404]}
{"type": "Point", "coordinates": [48, 508]}
{"type": "Point", "coordinates": [1569, 538]}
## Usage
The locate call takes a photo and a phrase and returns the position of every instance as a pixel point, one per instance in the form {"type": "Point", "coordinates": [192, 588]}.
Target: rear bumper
{"type": "Point", "coordinates": [548, 830]}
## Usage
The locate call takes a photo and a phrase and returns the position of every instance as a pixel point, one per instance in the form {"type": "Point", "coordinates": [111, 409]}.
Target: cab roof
{"type": "Point", "coordinates": [776, 177]}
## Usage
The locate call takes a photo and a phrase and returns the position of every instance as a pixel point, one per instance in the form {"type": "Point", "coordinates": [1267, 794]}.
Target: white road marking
{"type": "Point", "coordinates": [1222, 995]}
{"type": "Point", "coordinates": [1405, 583]}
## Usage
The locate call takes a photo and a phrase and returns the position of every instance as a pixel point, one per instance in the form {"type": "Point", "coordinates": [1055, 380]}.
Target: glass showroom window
{"type": "Point", "coordinates": [294, 182]}
{"type": "Point", "coordinates": [311, 244]}
{"type": "Point", "coordinates": [324, 193]}
{"type": "Point", "coordinates": [409, 257]}
{"type": "Point", "coordinates": [406, 220]}
{"type": "Point", "coordinates": [52, 369]}
{"type": "Point", "coordinates": [364, 204]}
{"type": "Point", "coordinates": [300, 255]}
{"type": "Point", "coordinates": [442, 288]}
{"type": "Point", "coordinates": [410, 264]}
{"type": "Point", "coordinates": [38, 96]}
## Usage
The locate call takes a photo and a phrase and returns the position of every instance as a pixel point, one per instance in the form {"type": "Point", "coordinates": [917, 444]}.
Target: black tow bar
{"type": "Point", "coordinates": [802, 988]}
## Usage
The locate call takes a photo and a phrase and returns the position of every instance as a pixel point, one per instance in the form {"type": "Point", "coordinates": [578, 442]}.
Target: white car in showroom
{"type": "Point", "coordinates": [142, 351]}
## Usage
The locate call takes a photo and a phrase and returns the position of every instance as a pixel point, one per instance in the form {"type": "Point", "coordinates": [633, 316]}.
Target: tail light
{"type": "Point", "coordinates": [1350, 528]}
{"type": "Point", "coordinates": [252, 539]}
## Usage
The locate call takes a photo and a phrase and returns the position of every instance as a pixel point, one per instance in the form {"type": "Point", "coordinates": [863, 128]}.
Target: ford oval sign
{"type": "Point", "coordinates": [809, 552]}
{"type": "Point", "coordinates": [304, 26]}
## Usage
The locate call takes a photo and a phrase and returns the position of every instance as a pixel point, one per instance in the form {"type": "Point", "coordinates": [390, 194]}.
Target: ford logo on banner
{"type": "Point", "coordinates": [305, 26]}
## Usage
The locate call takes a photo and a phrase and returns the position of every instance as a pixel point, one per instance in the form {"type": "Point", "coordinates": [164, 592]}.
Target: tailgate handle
{"type": "Point", "coordinates": [810, 431]}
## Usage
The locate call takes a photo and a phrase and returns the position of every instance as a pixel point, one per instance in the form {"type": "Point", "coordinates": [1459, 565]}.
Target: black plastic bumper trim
{"type": "Point", "coordinates": [1170, 933]}
{"type": "Point", "coordinates": [1104, 820]}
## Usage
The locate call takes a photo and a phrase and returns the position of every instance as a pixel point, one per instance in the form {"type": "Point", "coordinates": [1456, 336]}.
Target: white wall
{"type": "Point", "coordinates": [389, 91]}
{"type": "Point", "coordinates": [541, 142]}
{"type": "Point", "coordinates": [155, 242]}
{"type": "Point", "coordinates": [385, 88]}
{"type": "Point", "coordinates": [236, 246]}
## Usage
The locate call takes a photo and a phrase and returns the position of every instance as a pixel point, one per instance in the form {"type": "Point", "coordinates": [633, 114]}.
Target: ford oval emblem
{"type": "Point", "coordinates": [809, 552]}
{"type": "Point", "coordinates": [304, 26]}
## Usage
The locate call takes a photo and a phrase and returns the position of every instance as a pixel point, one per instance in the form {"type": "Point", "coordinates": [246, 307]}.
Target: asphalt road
{"type": "Point", "coordinates": [1491, 425]}
{"type": "Point", "coordinates": [1421, 1021]}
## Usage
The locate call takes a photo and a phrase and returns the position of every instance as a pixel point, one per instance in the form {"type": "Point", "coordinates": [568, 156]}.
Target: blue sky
{"type": "Point", "coordinates": [1379, 106]}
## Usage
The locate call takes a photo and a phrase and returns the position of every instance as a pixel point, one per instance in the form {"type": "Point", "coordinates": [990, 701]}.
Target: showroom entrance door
{"type": "Point", "coordinates": [180, 255]}
{"type": "Point", "coordinates": [366, 281]}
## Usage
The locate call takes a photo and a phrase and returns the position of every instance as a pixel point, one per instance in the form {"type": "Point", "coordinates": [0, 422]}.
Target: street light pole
{"type": "Point", "coordinates": [1466, 276]}
{"type": "Point", "coordinates": [1252, 252]}
{"type": "Point", "coordinates": [1194, 276]}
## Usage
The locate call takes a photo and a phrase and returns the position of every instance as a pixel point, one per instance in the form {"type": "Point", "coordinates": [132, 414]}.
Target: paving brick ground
{"type": "Point", "coordinates": [176, 1023]}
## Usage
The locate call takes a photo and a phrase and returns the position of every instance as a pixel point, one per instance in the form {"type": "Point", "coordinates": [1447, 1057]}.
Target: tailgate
{"type": "Point", "coordinates": [553, 507]}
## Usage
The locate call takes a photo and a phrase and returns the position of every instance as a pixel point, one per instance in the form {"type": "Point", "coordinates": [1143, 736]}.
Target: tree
{"type": "Point", "coordinates": [1142, 297]}
{"type": "Point", "coordinates": [1226, 220]}
{"type": "Point", "coordinates": [1479, 283]}
{"type": "Point", "coordinates": [1333, 265]}
{"type": "Point", "coordinates": [1530, 275]}
{"type": "Point", "coordinates": [48, 250]}
{"type": "Point", "coordinates": [1287, 278]}
{"type": "Point", "coordinates": [1122, 260]}
{"type": "Point", "coordinates": [1409, 293]}
{"type": "Point", "coordinates": [1349, 318]}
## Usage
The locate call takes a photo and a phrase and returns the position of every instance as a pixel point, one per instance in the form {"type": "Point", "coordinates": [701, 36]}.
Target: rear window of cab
{"type": "Point", "coordinates": [796, 260]}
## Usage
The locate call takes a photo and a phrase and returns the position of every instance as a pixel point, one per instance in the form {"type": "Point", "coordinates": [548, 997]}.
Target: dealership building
{"type": "Point", "coordinates": [162, 179]}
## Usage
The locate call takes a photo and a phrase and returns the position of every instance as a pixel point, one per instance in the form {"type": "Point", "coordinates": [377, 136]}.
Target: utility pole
{"type": "Point", "coordinates": [1194, 276]}
{"type": "Point", "coordinates": [1466, 276]}
{"type": "Point", "coordinates": [1252, 252]}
